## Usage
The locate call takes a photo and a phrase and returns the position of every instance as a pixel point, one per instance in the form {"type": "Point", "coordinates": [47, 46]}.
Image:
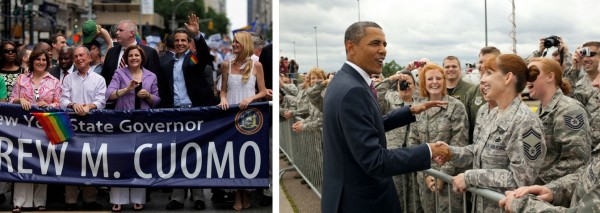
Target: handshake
{"type": "Point", "coordinates": [440, 152]}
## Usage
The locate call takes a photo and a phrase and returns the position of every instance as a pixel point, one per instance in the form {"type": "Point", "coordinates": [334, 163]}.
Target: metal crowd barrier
{"type": "Point", "coordinates": [304, 152]}
{"type": "Point", "coordinates": [485, 193]}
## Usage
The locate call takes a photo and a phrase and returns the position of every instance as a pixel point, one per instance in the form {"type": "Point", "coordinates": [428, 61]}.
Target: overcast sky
{"type": "Point", "coordinates": [237, 13]}
{"type": "Point", "coordinates": [431, 28]}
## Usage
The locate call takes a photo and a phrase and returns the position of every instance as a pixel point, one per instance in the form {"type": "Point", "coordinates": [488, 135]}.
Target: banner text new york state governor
{"type": "Point", "coordinates": [195, 147]}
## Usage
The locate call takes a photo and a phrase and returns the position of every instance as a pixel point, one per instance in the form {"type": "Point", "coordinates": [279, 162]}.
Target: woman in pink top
{"type": "Point", "coordinates": [37, 88]}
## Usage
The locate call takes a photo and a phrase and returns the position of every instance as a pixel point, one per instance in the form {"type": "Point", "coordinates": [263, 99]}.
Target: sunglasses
{"type": "Point", "coordinates": [9, 50]}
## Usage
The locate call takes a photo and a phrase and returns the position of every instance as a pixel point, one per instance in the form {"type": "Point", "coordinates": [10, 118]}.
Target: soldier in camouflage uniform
{"type": "Point", "coordinates": [473, 98]}
{"type": "Point", "coordinates": [314, 121]}
{"type": "Point", "coordinates": [391, 97]}
{"type": "Point", "coordinates": [566, 122]}
{"type": "Point", "coordinates": [567, 61]}
{"type": "Point", "coordinates": [583, 89]}
{"type": "Point", "coordinates": [300, 102]}
{"type": "Point", "coordinates": [579, 191]}
{"type": "Point", "coordinates": [456, 86]}
{"type": "Point", "coordinates": [448, 124]}
{"type": "Point", "coordinates": [593, 107]}
{"type": "Point", "coordinates": [288, 94]}
{"type": "Point", "coordinates": [510, 148]}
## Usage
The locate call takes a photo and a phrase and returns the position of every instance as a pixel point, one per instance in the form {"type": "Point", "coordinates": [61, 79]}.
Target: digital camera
{"type": "Point", "coordinates": [419, 64]}
{"type": "Point", "coordinates": [403, 86]}
{"type": "Point", "coordinates": [585, 52]}
{"type": "Point", "coordinates": [551, 41]}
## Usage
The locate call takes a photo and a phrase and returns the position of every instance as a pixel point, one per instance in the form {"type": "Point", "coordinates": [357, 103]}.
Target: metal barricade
{"type": "Point", "coordinates": [485, 193]}
{"type": "Point", "coordinates": [304, 151]}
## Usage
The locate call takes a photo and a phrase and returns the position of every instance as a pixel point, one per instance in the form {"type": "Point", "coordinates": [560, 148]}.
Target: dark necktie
{"type": "Point", "coordinates": [65, 73]}
{"type": "Point", "coordinates": [122, 62]}
{"type": "Point", "coordinates": [373, 89]}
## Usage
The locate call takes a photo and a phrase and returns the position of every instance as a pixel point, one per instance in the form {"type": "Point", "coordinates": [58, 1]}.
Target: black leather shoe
{"type": "Point", "coordinates": [174, 205]}
{"type": "Point", "coordinates": [71, 207]}
{"type": "Point", "coordinates": [266, 201]}
{"type": "Point", "coordinates": [91, 206]}
{"type": "Point", "coordinates": [199, 205]}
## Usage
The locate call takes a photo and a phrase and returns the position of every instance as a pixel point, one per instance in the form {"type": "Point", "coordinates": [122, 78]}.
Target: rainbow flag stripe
{"type": "Point", "coordinates": [56, 125]}
{"type": "Point", "coordinates": [193, 59]}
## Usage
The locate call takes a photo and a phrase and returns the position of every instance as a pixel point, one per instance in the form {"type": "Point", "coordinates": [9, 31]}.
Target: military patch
{"type": "Point", "coordinates": [575, 123]}
{"type": "Point", "coordinates": [532, 144]}
{"type": "Point", "coordinates": [478, 101]}
{"type": "Point", "coordinates": [501, 131]}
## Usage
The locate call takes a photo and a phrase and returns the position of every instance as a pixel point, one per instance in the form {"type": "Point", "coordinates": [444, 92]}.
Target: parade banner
{"type": "Point", "coordinates": [184, 147]}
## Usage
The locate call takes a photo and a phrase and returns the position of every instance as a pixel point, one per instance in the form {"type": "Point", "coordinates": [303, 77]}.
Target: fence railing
{"type": "Point", "coordinates": [304, 152]}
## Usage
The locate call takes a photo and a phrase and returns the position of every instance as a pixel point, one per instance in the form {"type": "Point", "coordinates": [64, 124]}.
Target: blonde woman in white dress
{"type": "Point", "coordinates": [240, 77]}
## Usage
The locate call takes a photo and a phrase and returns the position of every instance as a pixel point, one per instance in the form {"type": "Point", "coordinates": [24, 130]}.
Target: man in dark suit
{"type": "Point", "coordinates": [126, 37]}
{"type": "Point", "coordinates": [166, 56]}
{"type": "Point", "coordinates": [65, 64]}
{"type": "Point", "coordinates": [266, 59]}
{"type": "Point", "coordinates": [182, 83]}
{"type": "Point", "coordinates": [357, 167]}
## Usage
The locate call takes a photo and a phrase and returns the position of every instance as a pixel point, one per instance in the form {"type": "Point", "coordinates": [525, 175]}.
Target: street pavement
{"type": "Point", "coordinates": [159, 201]}
{"type": "Point", "coordinates": [300, 195]}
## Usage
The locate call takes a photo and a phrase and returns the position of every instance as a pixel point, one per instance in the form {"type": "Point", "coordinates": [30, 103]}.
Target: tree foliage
{"type": "Point", "coordinates": [165, 9]}
{"type": "Point", "coordinates": [390, 68]}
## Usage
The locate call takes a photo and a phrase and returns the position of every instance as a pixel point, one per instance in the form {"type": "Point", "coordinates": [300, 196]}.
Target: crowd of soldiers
{"type": "Point", "coordinates": [497, 141]}
{"type": "Point", "coordinates": [82, 78]}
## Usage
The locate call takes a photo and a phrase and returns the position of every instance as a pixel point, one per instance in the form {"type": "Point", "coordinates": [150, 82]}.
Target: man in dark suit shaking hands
{"type": "Point", "coordinates": [357, 167]}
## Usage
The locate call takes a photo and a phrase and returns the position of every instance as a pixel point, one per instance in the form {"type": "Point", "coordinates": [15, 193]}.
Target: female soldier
{"type": "Point", "coordinates": [300, 101]}
{"type": "Point", "coordinates": [448, 124]}
{"type": "Point", "coordinates": [566, 123]}
{"type": "Point", "coordinates": [393, 93]}
{"type": "Point", "coordinates": [509, 150]}
{"type": "Point", "coordinates": [313, 93]}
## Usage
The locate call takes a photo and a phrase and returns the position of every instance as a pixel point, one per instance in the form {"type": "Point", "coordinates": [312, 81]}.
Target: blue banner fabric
{"type": "Point", "coordinates": [192, 147]}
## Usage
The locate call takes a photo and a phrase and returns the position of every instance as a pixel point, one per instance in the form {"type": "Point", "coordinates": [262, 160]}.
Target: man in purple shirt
{"type": "Point", "coordinates": [83, 90]}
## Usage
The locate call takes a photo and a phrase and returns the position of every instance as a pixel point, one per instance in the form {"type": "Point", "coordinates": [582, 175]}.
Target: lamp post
{"type": "Point", "coordinates": [316, 47]}
{"type": "Point", "coordinates": [486, 30]}
{"type": "Point", "coordinates": [173, 21]}
{"type": "Point", "coordinates": [358, 9]}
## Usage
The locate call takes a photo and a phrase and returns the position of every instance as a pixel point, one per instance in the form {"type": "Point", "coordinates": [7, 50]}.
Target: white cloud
{"type": "Point", "coordinates": [432, 29]}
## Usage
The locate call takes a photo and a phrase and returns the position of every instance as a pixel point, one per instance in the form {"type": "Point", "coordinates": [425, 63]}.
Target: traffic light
{"type": "Point", "coordinates": [211, 25]}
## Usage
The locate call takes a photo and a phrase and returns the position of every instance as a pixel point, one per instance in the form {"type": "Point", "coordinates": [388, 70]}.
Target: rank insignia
{"type": "Point", "coordinates": [532, 144]}
{"type": "Point", "coordinates": [478, 101]}
{"type": "Point", "coordinates": [575, 123]}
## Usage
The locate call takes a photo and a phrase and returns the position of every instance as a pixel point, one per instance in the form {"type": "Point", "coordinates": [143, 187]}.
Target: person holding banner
{"type": "Point", "coordinates": [83, 90]}
{"type": "Point", "coordinates": [133, 87]}
{"type": "Point", "coordinates": [128, 80]}
{"type": "Point", "coordinates": [239, 77]}
{"type": "Point", "coordinates": [38, 88]}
